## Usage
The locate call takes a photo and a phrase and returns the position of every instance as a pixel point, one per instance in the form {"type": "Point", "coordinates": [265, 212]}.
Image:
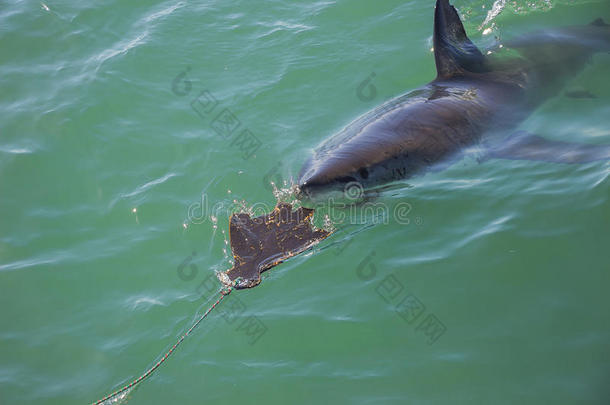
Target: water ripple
{"type": "Point", "coordinates": [284, 26]}
{"type": "Point", "coordinates": [143, 302]}
{"type": "Point", "coordinates": [16, 150]}
{"type": "Point", "coordinates": [20, 264]}
{"type": "Point", "coordinates": [146, 186]}
{"type": "Point", "coordinates": [121, 47]}
{"type": "Point", "coordinates": [164, 12]}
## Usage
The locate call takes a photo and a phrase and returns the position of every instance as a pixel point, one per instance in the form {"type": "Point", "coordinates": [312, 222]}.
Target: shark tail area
{"type": "Point", "coordinates": [564, 45]}
{"type": "Point", "coordinates": [454, 52]}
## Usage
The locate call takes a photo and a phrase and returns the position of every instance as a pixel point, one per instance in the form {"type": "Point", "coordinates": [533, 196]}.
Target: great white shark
{"type": "Point", "coordinates": [473, 95]}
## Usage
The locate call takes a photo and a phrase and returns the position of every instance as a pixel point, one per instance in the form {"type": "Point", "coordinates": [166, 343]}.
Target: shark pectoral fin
{"type": "Point", "coordinates": [524, 146]}
{"type": "Point", "coordinates": [599, 23]}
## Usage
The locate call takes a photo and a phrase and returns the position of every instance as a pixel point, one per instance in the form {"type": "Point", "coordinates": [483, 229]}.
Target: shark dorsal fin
{"type": "Point", "coordinates": [454, 53]}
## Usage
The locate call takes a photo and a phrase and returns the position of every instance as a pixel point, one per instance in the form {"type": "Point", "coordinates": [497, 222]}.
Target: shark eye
{"type": "Point", "coordinates": [364, 173]}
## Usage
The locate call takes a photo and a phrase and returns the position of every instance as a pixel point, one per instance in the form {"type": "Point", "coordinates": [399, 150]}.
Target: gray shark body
{"type": "Point", "coordinates": [472, 95]}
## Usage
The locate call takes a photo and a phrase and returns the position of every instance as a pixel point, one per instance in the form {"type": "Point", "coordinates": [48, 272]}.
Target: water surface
{"type": "Point", "coordinates": [102, 154]}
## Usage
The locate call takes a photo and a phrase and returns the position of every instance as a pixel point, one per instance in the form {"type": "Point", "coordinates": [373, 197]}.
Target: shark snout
{"type": "Point", "coordinates": [311, 186]}
{"type": "Point", "coordinates": [320, 186]}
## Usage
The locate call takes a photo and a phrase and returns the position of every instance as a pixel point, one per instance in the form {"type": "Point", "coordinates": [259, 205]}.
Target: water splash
{"type": "Point", "coordinates": [121, 398]}
{"type": "Point", "coordinates": [496, 9]}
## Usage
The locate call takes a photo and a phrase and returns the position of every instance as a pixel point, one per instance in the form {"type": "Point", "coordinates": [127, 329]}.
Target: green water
{"type": "Point", "coordinates": [499, 269]}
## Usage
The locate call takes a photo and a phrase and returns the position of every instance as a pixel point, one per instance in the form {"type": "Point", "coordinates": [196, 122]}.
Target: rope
{"type": "Point", "coordinates": [223, 293]}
